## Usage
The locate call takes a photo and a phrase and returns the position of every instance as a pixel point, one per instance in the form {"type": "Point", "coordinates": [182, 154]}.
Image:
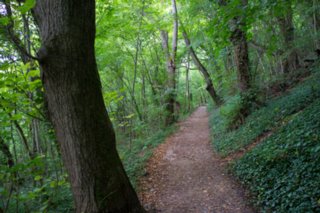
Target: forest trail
{"type": "Point", "coordinates": [184, 175]}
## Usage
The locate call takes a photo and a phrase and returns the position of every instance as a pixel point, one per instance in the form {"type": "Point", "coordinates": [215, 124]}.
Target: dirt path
{"type": "Point", "coordinates": [184, 175]}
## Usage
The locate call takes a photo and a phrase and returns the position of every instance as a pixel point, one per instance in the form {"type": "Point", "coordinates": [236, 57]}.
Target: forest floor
{"type": "Point", "coordinates": [185, 175]}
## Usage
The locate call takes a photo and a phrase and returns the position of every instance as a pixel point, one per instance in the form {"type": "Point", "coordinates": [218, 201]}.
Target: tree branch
{"type": "Point", "coordinates": [25, 56]}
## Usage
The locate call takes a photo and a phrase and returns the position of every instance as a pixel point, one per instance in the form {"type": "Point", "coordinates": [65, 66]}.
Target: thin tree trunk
{"type": "Point", "coordinates": [148, 76]}
{"type": "Point", "coordinates": [143, 94]}
{"type": "Point", "coordinates": [34, 126]}
{"type": "Point", "coordinates": [175, 31]}
{"type": "Point", "coordinates": [171, 66]}
{"type": "Point", "coordinates": [210, 88]}
{"type": "Point", "coordinates": [188, 84]}
{"type": "Point", "coordinates": [136, 58]}
{"type": "Point", "coordinates": [24, 139]}
{"type": "Point", "coordinates": [134, 101]}
{"type": "Point", "coordinates": [76, 108]}
{"type": "Point", "coordinates": [4, 148]}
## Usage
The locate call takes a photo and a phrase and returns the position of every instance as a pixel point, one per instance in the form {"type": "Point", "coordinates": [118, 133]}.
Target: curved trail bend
{"type": "Point", "coordinates": [184, 175]}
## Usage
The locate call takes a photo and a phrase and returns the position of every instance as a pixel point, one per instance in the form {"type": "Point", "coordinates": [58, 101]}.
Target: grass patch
{"type": "Point", "coordinates": [263, 120]}
{"type": "Point", "coordinates": [134, 160]}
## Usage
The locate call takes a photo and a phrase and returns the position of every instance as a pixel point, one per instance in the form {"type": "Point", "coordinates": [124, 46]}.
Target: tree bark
{"type": "Point", "coordinates": [210, 88]}
{"type": "Point", "coordinates": [76, 108]}
{"type": "Point", "coordinates": [239, 40]}
{"type": "Point", "coordinates": [242, 58]}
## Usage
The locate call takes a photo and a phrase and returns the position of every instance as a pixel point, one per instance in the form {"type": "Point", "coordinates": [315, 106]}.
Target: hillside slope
{"type": "Point", "coordinates": [283, 170]}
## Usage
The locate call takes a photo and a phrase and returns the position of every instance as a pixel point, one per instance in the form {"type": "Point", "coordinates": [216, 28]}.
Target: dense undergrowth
{"type": "Point", "coordinates": [282, 171]}
{"type": "Point", "coordinates": [265, 119]}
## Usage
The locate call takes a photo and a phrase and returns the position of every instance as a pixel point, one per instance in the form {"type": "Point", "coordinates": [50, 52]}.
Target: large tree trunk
{"type": "Point", "coordinates": [239, 41]}
{"type": "Point", "coordinates": [76, 108]}
{"type": "Point", "coordinates": [212, 92]}
{"type": "Point", "coordinates": [241, 54]}
{"type": "Point", "coordinates": [291, 61]}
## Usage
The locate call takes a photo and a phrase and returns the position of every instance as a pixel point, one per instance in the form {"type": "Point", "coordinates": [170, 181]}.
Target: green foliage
{"type": "Point", "coordinates": [26, 187]}
{"type": "Point", "coordinates": [4, 21]}
{"type": "Point", "coordinates": [283, 171]}
{"type": "Point", "coordinates": [16, 88]}
{"type": "Point", "coordinates": [27, 6]}
{"type": "Point", "coordinates": [230, 111]}
{"type": "Point", "coordinates": [266, 119]}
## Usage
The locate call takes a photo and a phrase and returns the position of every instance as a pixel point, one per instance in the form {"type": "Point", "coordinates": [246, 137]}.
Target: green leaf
{"type": "Point", "coordinates": [4, 21]}
{"type": "Point", "coordinates": [33, 73]}
{"type": "Point", "coordinates": [28, 5]}
{"type": "Point", "coordinates": [4, 66]}
{"type": "Point", "coordinates": [37, 178]}
{"type": "Point", "coordinates": [53, 184]}
{"type": "Point", "coordinates": [129, 116]}
{"type": "Point", "coordinates": [16, 117]}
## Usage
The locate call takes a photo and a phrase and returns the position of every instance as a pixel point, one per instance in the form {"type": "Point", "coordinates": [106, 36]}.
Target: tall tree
{"type": "Point", "coordinates": [239, 40]}
{"type": "Point", "coordinates": [171, 65]}
{"type": "Point", "coordinates": [210, 88]}
{"type": "Point", "coordinates": [290, 61]}
{"type": "Point", "coordinates": [76, 108]}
